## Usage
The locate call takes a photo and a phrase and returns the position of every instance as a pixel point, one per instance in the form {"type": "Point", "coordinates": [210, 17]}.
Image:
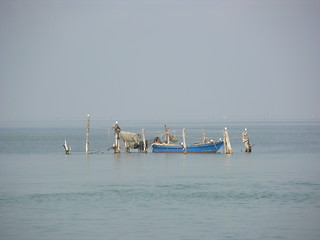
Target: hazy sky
{"type": "Point", "coordinates": [158, 60]}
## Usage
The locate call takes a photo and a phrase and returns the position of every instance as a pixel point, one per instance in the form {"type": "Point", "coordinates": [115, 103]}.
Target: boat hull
{"type": "Point", "coordinates": [210, 147]}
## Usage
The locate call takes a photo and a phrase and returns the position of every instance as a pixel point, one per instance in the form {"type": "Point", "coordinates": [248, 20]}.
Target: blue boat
{"type": "Point", "coordinates": [208, 147]}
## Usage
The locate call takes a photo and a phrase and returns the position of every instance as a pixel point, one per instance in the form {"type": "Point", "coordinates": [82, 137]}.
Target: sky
{"type": "Point", "coordinates": [159, 60]}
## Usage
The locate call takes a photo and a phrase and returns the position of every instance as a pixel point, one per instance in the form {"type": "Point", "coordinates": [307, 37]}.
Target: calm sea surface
{"type": "Point", "coordinates": [271, 193]}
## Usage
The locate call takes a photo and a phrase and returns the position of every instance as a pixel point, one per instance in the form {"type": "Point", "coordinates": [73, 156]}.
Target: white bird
{"type": "Point", "coordinates": [245, 129]}
{"type": "Point", "coordinates": [225, 128]}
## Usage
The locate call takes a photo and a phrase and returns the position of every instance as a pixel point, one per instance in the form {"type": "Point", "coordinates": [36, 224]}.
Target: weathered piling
{"type": "Point", "coordinates": [204, 136]}
{"type": "Point", "coordinates": [67, 149]}
{"type": "Point", "coordinates": [167, 138]}
{"type": "Point", "coordinates": [144, 141]}
{"type": "Point", "coordinates": [227, 144]}
{"type": "Point", "coordinates": [87, 134]}
{"type": "Point", "coordinates": [117, 129]}
{"type": "Point", "coordinates": [117, 144]}
{"type": "Point", "coordinates": [184, 140]}
{"type": "Point", "coordinates": [126, 146]}
{"type": "Point", "coordinates": [246, 142]}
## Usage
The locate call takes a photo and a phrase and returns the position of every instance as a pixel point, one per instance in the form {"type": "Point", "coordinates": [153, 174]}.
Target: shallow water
{"type": "Point", "coordinates": [273, 192]}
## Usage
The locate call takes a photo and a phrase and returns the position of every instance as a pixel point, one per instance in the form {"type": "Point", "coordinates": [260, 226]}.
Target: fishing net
{"type": "Point", "coordinates": [173, 138]}
{"type": "Point", "coordinates": [130, 137]}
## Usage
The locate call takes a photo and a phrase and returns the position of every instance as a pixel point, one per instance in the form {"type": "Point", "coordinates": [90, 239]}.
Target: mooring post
{"type": "Point", "coordinates": [144, 141]}
{"type": "Point", "coordinates": [117, 130]}
{"type": "Point", "coordinates": [227, 144]}
{"type": "Point", "coordinates": [167, 139]}
{"type": "Point", "coordinates": [87, 134]}
{"type": "Point", "coordinates": [66, 148]}
{"type": "Point", "coordinates": [126, 146]}
{"type": "Point", "coordinates": [245, 140]}
{"type": "Point", "coordinates": [117, 143]}
{"type": "Point", "coordinates": [184, 140]}
{"type": "Point", "coordinates": [204, 140]}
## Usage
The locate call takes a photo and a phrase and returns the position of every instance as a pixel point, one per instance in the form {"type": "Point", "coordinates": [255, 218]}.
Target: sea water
{"type": "Point", "coordinates": [271, 193]}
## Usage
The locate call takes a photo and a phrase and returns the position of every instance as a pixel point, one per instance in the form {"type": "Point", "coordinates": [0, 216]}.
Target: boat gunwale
{"type": "Point", "coordinates": [190, 145]}
{"type": "Point", "coordinates": [209, 147]}
{"type": "Point", "coordinates": [211, 151]}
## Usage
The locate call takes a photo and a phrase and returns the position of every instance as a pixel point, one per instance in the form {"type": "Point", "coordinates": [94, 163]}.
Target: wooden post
{"type": "Point", "coordinates": [167, 139]}
{"type": "Point", "coordinates": [87, 134]}
{"type": "Point", "coordinates": [245, 140]}
{"type": "Point", "coordinates": [224, 140]}
{"type": "Point", "coordinates": [227, 144]}
{"type": "Point", "coordinates": [204, 140]}
{"type": "Point", "coordinates": [117, 130]}
{"type": "Point", "coordinates": [126, 146]}
{"type": "Point", "coordinates": [184, 140]}
{"type": "Point", "coordinates": [66, 148]}
{"type": "Point", "coordinates": [144, 141]}
{"type": "Point", "coordinates": [117, 143]}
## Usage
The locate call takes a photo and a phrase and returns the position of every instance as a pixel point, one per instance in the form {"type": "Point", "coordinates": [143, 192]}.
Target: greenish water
{"type": "Point", "coordinates": [272, 193]}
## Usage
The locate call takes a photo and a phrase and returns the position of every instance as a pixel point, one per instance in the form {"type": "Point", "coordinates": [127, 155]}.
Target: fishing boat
{"type": "Point", "coordinates": [200, 147]}
{"type": "Point", "coordinates": [208, 147]}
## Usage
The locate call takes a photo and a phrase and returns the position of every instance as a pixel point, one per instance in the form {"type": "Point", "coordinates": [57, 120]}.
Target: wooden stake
{"type": "Point", "coordinates": [144, 141]}
{"type": "Point", "coordinates": [117, 130]}
{"type": "Point", "coordinates": [167, 140]}
{"type": "Point", "coordinates": [87, 134]}
{"type": "Point", "coordinates": [184, 140]}
{"type": "Point", "coordinates": [245, 140]}
{"type": "Point", "coordinates": [117, 143]}
{"type": "Point", "coordinates": [66, 147]}
{"type": "Point", "coordinates": [227, 144]}
{"type": "Point", "coordinates": [126, 146]}
{"type": "Point", "coordinates": [204, 136]}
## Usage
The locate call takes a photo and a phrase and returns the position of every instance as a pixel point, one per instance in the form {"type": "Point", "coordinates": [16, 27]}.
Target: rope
{"type": "Point", "coordinates": [90, 152]}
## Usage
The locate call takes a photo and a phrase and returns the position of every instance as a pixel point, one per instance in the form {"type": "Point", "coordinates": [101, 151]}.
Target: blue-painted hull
{"type": "Point", "coordinates": [210, 147]}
